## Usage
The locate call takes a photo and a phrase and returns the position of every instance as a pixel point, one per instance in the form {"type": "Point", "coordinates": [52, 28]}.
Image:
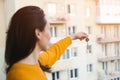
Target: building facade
{"type": "Point", "coordinates": [99, 59]}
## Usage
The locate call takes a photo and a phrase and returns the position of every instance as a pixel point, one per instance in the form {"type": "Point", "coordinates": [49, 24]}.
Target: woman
{"type": "Point", "coordinates": [26, 53]}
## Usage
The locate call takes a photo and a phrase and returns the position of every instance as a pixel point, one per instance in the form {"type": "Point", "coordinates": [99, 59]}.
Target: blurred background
{"type": "Point", "coordinates": [97, 60]}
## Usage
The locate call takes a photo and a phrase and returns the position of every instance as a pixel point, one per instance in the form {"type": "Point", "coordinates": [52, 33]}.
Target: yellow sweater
{"type": "Point", "coordinates": [20, 71]}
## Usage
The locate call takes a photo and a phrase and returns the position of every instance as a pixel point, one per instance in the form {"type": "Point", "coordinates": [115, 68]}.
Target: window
{"type": "Point", "coordinates": [71, 73]}
{"type": "Point", "coordinates": [116, 31]}
{"type": "Point", "coordinates": [51, 9]}
{"type": "Point", "coordinates": [66, 55]}
{"type": "Point", "coordinates": [89, 48]}
{"type": "Point", "coordinates": [104, 31]}
{"type": "Point", "coordinates": [55, 75]}
{"type": "Point", "coordinates": [106, 49]}
{"type": "Point", "coordinates": [53, 31]}
{"type": "Point", "coordinates": [88, 11]}
{"type": "Point", "coordinates": [74, 51]}
{"type": "Point", "coordinates": [74, 29]}
{"type": "Point", "coordinates": [117, 66]}
{"type": "Point", "coordinates": [74, 73]}
{"type": "Point", "coordinates": [89, 68]}
{"type": "Point", "coordinates": [105, 67]}
{"type": "Point", "coordinates": [71, 30]}
{"type": "Point", "coordinates": [118, 78]}
{"type": "Point", "coordinates": [102, 47]}
{"type": "Point", "coordinates": [115, 78]}
{"type": "Point", "coordinates": [58, 76]}
{"type": "Point", "coordinates": [89, 29]}
{"type": "Point", "coordinates": [71, 9]}
{"type": "Point", "coordinates": [117, 49]}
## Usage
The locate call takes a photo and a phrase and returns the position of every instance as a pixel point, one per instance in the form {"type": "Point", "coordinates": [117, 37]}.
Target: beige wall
{"type": "Point", "coordinates": [2, 39]}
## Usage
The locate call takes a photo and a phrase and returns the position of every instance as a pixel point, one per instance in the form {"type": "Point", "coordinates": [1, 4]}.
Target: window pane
{"type": "Point", "coordinates": [63, 56]}
{"type": "Point", "coordinates": [51, 31]}
{"type": "Point", "coordinates": [74, 51]}
{"type": "Point", "coordinates": [90, 67]}
{"type": "Point", "coordinates": [68, 7]}
{"type": "Point", "coordinates": [55, 29]}
{"type": "Point", "coordinates": [53, 76]}
{"type": "Point", "coordinates": [76, 72]}
{"type": "Point", "coordinates": [106, 50]}
{"type": "Point", "coordinates": [90, 49]}
{"type": "Point", "coordinates": [58, 76]}
{"type": "Point", "coordinates": [71, 73]}
{"type": "Point", "coordinates": [116, 31]}
{"type": "Point", "coordinates": [69, 30]}
{"type": "Point", "coordinates": [68, 54]}
{"type": "Point", "coordinates": [74, 29]}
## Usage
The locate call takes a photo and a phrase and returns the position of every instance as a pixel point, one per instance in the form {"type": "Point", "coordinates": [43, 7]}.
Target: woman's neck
{"type": "Point", "coordinates": [32, 58]}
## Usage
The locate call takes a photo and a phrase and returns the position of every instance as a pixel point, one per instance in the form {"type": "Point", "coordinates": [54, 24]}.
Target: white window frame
{"type": "Point", "coordinates": [89, 67]}
{"type": "Point", "coordinates": [73, 76]}
{"type": "Point", "coordinates": [71, 9]}
{"type": "Point", "coordinates": [53, 32]}
{"type": "Point", "coordinates": [74, 51]}
{"type": "Point", "coordinates": [55, 77]}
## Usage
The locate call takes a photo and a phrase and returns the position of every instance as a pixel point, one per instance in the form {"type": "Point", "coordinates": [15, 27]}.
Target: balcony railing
{"type": "Point", "coordinates": [107, 40]}
{"type": "Point", "coordinates": [107, 14]}
{"type": "Point", "coordinates": [58, 20]}
{"type": "Point", "coordinates": [110, 76]}
{"type": "Point", "coordinates": [104, 59]}
{"type": "Point", "coordinates": [108, 19]}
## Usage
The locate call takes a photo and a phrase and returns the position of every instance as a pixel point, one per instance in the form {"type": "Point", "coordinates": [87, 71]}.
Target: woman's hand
{"type": "Point", "coordinates": [79, 35]}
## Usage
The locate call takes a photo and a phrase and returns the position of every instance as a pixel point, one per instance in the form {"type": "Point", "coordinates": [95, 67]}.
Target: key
{"type": "Point", "coordinates": [87, 40]}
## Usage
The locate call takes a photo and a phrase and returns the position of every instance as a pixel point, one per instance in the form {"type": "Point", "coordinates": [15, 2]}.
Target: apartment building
{"type": "Point", "coordinates": [99, 59]}
{"type": "Point", "coordinates": [108, 22]}
{"type": "Point", "coordinates": [79, 62]}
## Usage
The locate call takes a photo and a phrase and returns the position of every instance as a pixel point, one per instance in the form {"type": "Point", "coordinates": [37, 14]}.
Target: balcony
{"type": "Point", "coordinates": [102, 40]}
{"type": "Point", "coordinates": [58, 20]}
{"type": "Point", "coordinates": [108, 19]}
{"type": "Point", "coordinates": [107, 13]}
{"type": "Point", "coordinates": [104, 59]}
{"type": "Point", "coordinates": [110, 76]}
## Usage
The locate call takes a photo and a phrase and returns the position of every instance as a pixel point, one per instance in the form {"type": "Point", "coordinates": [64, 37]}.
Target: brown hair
{"type": "Point", "coordinates": [21, 38]}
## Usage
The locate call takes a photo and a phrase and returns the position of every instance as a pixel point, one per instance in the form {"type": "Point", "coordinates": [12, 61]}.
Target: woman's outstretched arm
{"type": "Point", "coordinates": [49, 57]}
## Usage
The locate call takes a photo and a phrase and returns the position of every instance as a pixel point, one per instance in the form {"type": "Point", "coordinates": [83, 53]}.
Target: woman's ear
{"type": "Point", "coordinates": [38, 34]}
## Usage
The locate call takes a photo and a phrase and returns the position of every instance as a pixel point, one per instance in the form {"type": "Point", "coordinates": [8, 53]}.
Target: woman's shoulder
{"type": "Point", "coordinates": [19, 72]}
{"type": "Point", "coordinates": [16, 74]}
